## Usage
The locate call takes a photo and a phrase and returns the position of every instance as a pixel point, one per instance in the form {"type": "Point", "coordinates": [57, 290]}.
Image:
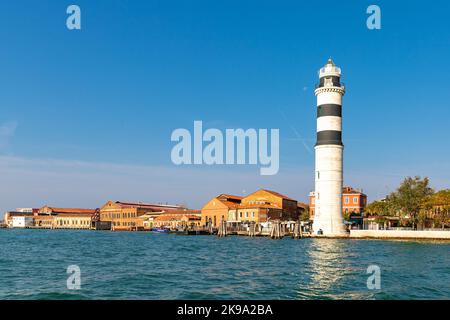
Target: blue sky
{"type": "Point", "coordinates": [87, 115]}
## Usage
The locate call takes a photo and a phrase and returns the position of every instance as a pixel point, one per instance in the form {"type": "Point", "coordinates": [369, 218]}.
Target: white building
{"type": "Point", "coordinates": [22, 221]}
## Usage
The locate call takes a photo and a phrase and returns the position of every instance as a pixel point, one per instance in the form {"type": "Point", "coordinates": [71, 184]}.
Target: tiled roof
{"type": "Point", "coordinates": [350, 190]}
{"type": "Point", "coordinates": [278, 194]}
{"type": "Point", "coordinates": [229, 204]}
{"type": "Point", "coordinates": [186, 211]}
{"type": "Point", "coordinates": [72, 210]}
{"type": "Point", "coordinates": [230, 196]}
{"type": "Point", "coordinates": [149, 205]}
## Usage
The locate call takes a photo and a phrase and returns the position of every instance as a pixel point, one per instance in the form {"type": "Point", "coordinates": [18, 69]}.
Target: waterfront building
{"type": "Point", "coordinates": [219, 208]}
{"type": "Point", "coordinates": [72, 221]}
{"type": "Point", "coordinates": [354, 201]}
{"type": "Point", "coordinates": [178, 219]}
{"type": "Point", "coordinates": [127, 215]}
{"type": "Point", "coordinates": [148, 218]}
{"type": "Point", "coordinates": [259, 206]}
{"type": "Point", "coordinates": [380, 222]}
{"type": "Point", "coordinates": [10, 215]}
{"type": "Point", "coordinates": [64, 218]}
{"type": "Point", "coordinates": [328, 219]}
{"type": "Point", "coordinates": [22, 221]}
{"type": "Point", "coordinates": [266, 204]}
{"type": "Point", "coordinates": [58, 210]}
{"type": "Point", "coordinates": [43, 221]}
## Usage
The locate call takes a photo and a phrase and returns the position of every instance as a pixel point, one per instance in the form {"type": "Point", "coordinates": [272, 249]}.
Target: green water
{"type": "Point", "coordinates": [141, 265]}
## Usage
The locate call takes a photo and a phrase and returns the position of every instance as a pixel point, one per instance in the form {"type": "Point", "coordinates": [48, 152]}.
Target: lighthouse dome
{"type": "Point", "coordinates": [330, 69]}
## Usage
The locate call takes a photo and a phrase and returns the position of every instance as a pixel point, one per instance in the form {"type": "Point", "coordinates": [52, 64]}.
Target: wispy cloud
{"type": "Point", "coordinates": [7, 131]}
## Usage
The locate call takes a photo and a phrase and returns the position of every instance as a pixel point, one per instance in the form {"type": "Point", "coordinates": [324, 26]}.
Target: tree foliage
{"type": "Point", "coordinates": [378, 208]}
{"type": "Point", "coordinates": [410, 198]}
{"type": "Point", "coordinates": [414, 202]}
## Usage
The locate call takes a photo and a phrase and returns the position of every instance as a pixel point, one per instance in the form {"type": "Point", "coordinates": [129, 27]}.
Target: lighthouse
{"type": "Point", "coordinates": [328, 220]}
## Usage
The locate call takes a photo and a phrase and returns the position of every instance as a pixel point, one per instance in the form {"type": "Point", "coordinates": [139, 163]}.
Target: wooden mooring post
{"type": "Point", "coordinates": [209, 226]}
{"type": "Point", "coordinates": [222, 232]}
{"type": "Point", "coordinates": [275, 232]}
{"type": "Point", "coordinates": [252, 230]}
{"type": "Point", "coordinates": [297, 234]}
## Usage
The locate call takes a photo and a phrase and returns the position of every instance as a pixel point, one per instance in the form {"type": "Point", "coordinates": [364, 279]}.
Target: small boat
{"type": "Point", "coordinates": [160, 230]}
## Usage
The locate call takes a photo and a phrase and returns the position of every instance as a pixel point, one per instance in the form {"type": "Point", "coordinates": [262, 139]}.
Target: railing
{"type": "Point", "coordinates": [341, 85]}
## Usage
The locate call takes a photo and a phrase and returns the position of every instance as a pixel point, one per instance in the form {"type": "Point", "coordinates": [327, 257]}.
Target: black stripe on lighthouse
{"type": "Point", "coordinates": [329, 110]}
{"type": "Point", "coordinates": [329, 137]}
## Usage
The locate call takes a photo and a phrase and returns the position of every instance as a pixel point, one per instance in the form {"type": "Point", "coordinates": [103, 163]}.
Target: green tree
{"type": "Point", "coordinates": [410, 198]}
{"type": "Point", "coordinates": [305, 215]}
{"type": "Point", "coordinates": [379, 208]}
{"type": "Point", "coordinates": [439, 205]}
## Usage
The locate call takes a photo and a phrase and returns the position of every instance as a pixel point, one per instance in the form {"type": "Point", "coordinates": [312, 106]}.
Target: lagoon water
{"type": "Point", "coordinates": [142, 265]}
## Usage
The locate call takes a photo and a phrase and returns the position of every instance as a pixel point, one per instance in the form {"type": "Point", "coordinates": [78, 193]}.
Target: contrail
{"type": "Point", "coordinates": [299, 137]}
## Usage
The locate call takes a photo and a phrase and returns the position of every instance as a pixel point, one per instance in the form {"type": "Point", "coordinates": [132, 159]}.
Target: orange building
{"type": "Point", "coordinates": [178, 219]}
{"type": "Point", "coordinates": [44, 221]}
{"type": "Point", "coordinates": [260, 206]}
{"type": "Point", "coordinates": [353, 201]}
{"type": "Point", "coordinates": [126, 215]}
{"type": "Point", "coordinates": [64, 218]}
{"type": "Point", "coordinates": [218, 208]}
{"type": "Point", "coordinates": [270, 205]}
{"type": "Point", "coordinates": [57, 210]}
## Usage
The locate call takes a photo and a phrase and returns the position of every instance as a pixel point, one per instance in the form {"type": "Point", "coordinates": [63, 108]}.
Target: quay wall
{"type": "Point", "coordinates": [400, 234]}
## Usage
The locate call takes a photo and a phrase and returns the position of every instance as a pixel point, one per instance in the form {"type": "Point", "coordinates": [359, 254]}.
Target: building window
{"type": "Point", "coordinates": [246, 214]}
{"type": "Point", "coordinates": [355, 200]}
{"type": "Point", "coordinates": [347, 200]}
{"type": "Point", "coordinates": [253, 214]}
{"type": "Point", "coordinates": [240, 214]}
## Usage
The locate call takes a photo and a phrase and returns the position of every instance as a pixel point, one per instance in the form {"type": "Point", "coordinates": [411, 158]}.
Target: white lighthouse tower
{"type": "Point", "coordinates": [328, 218]}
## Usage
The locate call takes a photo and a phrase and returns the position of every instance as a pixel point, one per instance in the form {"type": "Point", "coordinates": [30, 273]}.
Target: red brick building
{"type": "Point", "coordinates": [353, 201]}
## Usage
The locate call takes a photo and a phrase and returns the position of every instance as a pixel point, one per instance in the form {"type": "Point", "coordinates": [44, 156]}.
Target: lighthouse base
{"type": "Point", "coordinates": [329, 228]}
